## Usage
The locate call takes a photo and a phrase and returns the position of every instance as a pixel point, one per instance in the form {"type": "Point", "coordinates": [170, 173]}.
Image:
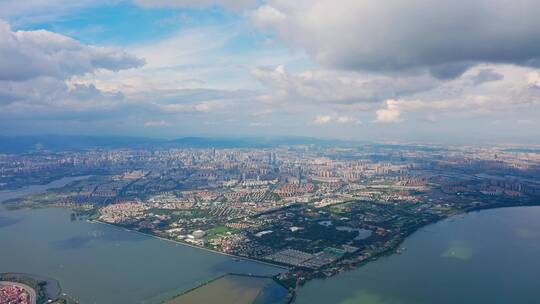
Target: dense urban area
{"type": "Point", "coordinates": [18, 288]}
{"type": "Point", "coordinates": [314, 209]}
{"type": "Point", "coordinates": [13, 293]}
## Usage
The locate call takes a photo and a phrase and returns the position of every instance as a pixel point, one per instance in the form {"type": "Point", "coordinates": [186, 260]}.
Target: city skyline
{"type": "Point", "coordinates": [462, 72]}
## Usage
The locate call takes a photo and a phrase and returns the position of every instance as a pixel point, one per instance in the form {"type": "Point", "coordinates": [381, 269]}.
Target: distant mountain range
{"type": "Point", "coordinates": [32, 143]}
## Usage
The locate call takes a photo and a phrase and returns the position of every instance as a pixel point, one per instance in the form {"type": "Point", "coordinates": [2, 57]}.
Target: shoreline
{"type": "Point", "coordinates": [392, 250]}
{"type": "Point", "coordinates": [387, 252]}
{"type": "Point", "coordinates": [76, 177]}
{"type": "Point", "coordinates": [191, 245]}
{"type": "Point", "coordinates": [292, 294]}
{"type": "Point", "coordinates": [43, 287]}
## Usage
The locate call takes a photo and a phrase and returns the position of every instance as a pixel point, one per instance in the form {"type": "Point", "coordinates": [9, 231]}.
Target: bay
{"type": "Point", "coordinates": [97, 263]}
{"type": "Point", "coordinates": [491, 256]}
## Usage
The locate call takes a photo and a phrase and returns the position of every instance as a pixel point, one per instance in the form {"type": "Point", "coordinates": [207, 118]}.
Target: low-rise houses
{"type": "Point", "coordinates": [13, 294]}
{"type": "Point", "coordinates": [118, 213]}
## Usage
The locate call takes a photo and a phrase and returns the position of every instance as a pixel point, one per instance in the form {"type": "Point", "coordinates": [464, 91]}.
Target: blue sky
{"type": "Point", "coordinates": [128, 24]}
{"type": "Point", "coordinates": [356, 70]}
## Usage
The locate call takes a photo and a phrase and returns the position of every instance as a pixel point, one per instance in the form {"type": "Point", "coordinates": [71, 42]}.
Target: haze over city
{"type": "Point", "coordinates": [452, 72]}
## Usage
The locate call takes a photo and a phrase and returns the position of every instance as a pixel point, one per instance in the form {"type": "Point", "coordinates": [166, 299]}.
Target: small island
{"type": "Point", "coordinates": [24, 288]}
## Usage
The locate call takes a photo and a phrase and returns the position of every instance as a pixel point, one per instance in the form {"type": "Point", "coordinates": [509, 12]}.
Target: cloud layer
{"type": "Point", "coordinates": [37, 70]}
{"type": "Point", "coordinates": [317, 68]}
{"type": "Point", "coordinates": [29, 54]}
{"type": "Point", "coordinates": [445, 38]}
{"type": "Point", "coordinates": [327, 86]}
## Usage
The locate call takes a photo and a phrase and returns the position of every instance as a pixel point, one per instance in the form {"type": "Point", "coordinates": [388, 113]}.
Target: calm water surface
{"type": "Point", "coordinates": [490, 257]}
{"type": "Point", "coordinates": [12, 194]}
{"type": "Point", "coordinates": [485, 257]}
{"type": "Point", "coordinates": [97, 263]}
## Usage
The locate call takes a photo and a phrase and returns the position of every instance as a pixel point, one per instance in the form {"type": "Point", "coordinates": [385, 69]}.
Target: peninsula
{"type": "Point", "coordinates": [315, 210]}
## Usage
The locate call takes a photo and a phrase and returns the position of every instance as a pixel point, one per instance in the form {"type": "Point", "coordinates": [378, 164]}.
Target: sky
{"type": "Point", "coordinates": [463, 71]}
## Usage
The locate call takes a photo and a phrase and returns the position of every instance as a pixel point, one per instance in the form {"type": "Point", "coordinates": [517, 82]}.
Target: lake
{"type": "Point", "coordinates": [33, 189]}
{"type": "Point", "coordinates": [491, 256]}
{"type": "Point", "coordinates": [97, 263]}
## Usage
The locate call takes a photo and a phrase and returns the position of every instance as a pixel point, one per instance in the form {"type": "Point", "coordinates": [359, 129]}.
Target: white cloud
{"type": "Point", "coordinates": [37, 70]}
{"type": "Point", "coordinates": [30, 54]}
{"type": "Point", "coordinates": [390, 113]}
{"type": "Point", "coordinates": [266, 16]}
{"type": "Point", "coordinates": [322, 119]}
{"type": "Point", "coordinates": [327, 86]}
{"type": "Point", "coordinates": [156, 123]}
{"type": "Point", "coordinates": [445, 38]}
{"type": "Point", "coordinates": [525, 122]}
{"type": "Point", "coordinates": [533, 78]}
{"type": "Point", "coordinates": [486, 75]}
{"type": "Point", "coordinates": [186, 59]}
{"type": "Point", "coordinates": [200, 79]}
{"type": "Point", "coordinates": [513, 91]}
{"type": "Point", "coordinates": [260, 124]}
{"type": "Point", "coordinates": [345, 119]}
{"type": "Point", "coordinates": [202, 107]}
{"type": "Point", "coordinates": [183, 48]}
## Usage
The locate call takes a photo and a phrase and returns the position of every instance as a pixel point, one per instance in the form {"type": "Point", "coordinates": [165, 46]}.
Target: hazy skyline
{"type": "Point", "coordinates": [461, 71]}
